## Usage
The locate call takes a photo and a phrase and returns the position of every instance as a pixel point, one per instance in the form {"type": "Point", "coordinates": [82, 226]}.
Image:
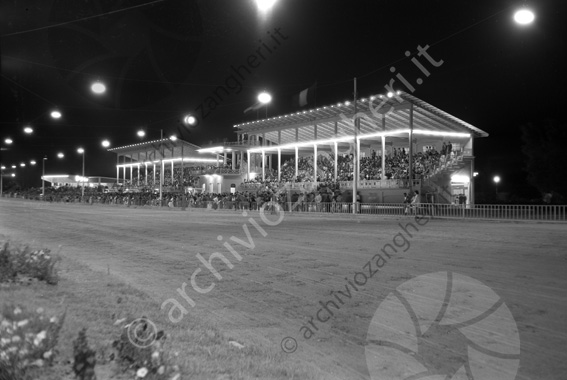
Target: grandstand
{"type": "Point", "coordinates": [311, 149]}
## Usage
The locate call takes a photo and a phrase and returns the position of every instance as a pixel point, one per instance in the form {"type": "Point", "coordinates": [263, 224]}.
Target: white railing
{"type": "Point", "coordinates": [345, 185]}
{"type": "Point", "coordinates": [557, 213]}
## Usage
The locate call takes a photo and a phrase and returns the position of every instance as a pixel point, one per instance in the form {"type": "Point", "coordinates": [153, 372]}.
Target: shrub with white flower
{"type": "Point", "coordinates": [28, 340]}
{"type": "Point", "coordinates": [149, 362]}
{"type": "Point", "coordinates": [17, 262]}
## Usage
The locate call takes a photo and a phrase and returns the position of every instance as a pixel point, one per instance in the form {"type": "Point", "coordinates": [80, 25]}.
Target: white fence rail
{"type": "Point", "coordinates": [495, 212]}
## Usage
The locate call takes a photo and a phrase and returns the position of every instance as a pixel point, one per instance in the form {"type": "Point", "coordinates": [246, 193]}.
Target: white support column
{"type": "Point", "coordinates": [315, 161]}
{"type": "Point", "coordinates": [263, 165]}
{"type": "Point", "coordinates": [154, 171]}
{"type": "Point", "coordinates": [410, 164]}
{"type": "Point", "coordinates": [279, 165]}
{"type": "Point", "coordinates": [131, 171]}
{"type": "Point", "coordinates": [383, 158]}
{"type": "Point", "coordinates": [224, 158]}
{"type": "Point", "coordinates": [162, 175]}
{"type": "Point", "coordinates": [182, 176]}
{"type": "Point", "coordinates": [138, 168]}
{"type": "Point", "coordinates": [171, 172]}
{"type": "Point", "coordinates": [357, 159]}
{"type": "Point", "coordinates": [336, 159]}
{"type": "Point", "coordinates": [146, 176]}
{"type": "Point", "coordinates": [233, 161]}
{"type": "Point", "coordinates": [117, 168]}
{"type": "Point", "coordinates": [296, 161]}
{"type": "Point", "coordinates": [248, 153]}
{"type": "Point", "coordinates": [471, 183]}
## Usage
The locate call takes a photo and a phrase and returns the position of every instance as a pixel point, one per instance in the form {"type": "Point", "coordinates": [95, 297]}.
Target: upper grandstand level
{"type": "Point", "coordinates": [379, 115]}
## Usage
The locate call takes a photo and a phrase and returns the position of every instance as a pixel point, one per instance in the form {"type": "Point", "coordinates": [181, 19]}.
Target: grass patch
{"type": "Point", "coordinates": [96, 301]}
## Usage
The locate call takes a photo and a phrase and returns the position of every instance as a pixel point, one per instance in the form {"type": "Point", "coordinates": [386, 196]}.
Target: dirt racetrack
{"type": "Point", "coordinates": [292, 269]}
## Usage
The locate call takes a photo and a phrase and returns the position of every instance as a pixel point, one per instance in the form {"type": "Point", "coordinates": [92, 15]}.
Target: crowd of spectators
{"type": "Point", "coordinates": [396, 167]}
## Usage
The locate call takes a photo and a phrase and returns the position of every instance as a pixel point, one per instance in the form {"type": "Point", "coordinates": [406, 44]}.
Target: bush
{"type": "Point", "coordinates": [7, 271]}
{"type": "Point", "coordinates": [85, 358]}
{"type": "Point", "coordinates": [16, 262]}
{"type": "Point", "coordinates": [27, 340]}
{"type": "Point", "coordinates": [140, 348]}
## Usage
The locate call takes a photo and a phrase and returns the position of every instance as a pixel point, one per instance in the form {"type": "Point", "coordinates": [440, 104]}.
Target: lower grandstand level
{"type": "Point", "coordinates": [407, 146]}
{"type": "Point", "coordinates": [374, 186]}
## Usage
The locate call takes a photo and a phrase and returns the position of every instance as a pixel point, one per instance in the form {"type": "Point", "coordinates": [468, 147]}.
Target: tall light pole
{"type": "Point", "coordinates": [82, 151]}
{"type": "Point", "coordinates": [43, 178]}
{"type": "Point", "coordinates": [265, 98]}
{"type": "Point", "coordinates": [496, 182]}
{"type": "Point", "coordinates": [1, 179]}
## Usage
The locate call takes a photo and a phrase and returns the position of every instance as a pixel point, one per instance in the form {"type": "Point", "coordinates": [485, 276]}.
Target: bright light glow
{"type": "Point", "coordinates": [524, 16]}
{"type": "Point", "coordinates": [80, 150]}
{"type": "Point", "coordinates": [437, 133]}
{"type": "Point", "coordinates": [57, 176]}
{"type": "Point", "coordinates": [173, 138]}
{"type": "Point", "coordinates": [13, 174]}
{"type": "Point", "coordinates": [190, 120]}
{"type": "Point", "coordinates": [13, 166]}
{"type": "Point", "coordinates": [106, 143]}
{"type": "Point", "coordinates": [22, 165]}
{"type": "Point", "coordinates": [2, 167]}
{"type": "Point", "coordinates": [185, 159]}
{"type": "Point", "coordinates": [214, 149]}
{"type": "Point", "coordinates": [460, 178]}
{"type": "Point", "coordinates": [301, 144]}
{"type": "Point", "coordinates": [60, 155]}
{"type": "Point", "coordinates": [390, 94]}
{"type": "Point", "coordinates": [265, 5]}
{"type": "Point", "coordinates": [28, 130]}
{"type": "Point", "coordinates": [475, 174]}
{"type": "Point", "coordinates": [32, 162]}
{"type": "Point", "coordinates": [141, 133]}
{"type": "Point", "coordinates": [8, 141]}
{"type": "Point", "coordinates": [264, 98]}
{"type": "Point", "coordinates": [496, 179]}
{"type": "Point", "coordinates": [98, 88]}
{"type": "Point", "coordinates": [79, 178]}
{"type": "Point", "coordinates": [56, 114]}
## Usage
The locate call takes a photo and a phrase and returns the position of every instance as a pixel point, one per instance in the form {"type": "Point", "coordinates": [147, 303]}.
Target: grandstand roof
{"type": "Point", "coordinates": [168, 145]}
{"type": "Point", "coordinates": [173, 150]}
{"type": "Point", "coordinates": [377, 114]}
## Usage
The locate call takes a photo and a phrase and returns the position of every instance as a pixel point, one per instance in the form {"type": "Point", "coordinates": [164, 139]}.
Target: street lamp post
{"type": "Point", "coordinates": [1, 179]}
{"type": "Point", "coordinates": [43, 178]}
{"type": "Point", "coordinates": [496, 182]}
{"type": "Point", "coordinates": [265, 98]}
{"type": "Point", "coordinates": [82, 151]}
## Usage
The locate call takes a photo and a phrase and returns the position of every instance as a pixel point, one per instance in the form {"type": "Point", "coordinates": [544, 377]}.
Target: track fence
{"type": "Point", "coordinates": [496, 212]}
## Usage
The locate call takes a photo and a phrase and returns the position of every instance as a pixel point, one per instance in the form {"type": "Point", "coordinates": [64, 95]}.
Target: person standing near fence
{"type": "Point", "coordinates": [407, 201]}
{"type": "Point", "coordinates": [318, 200]}
{"type": "Point", "coordinates": [416, 201]}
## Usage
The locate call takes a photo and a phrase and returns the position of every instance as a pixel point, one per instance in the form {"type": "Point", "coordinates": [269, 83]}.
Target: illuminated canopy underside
{"type": "Point", "coordinates": [427, 120]}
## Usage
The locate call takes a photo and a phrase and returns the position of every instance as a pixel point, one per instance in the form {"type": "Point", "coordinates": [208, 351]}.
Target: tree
{"type": "Point", "coordinates": [546, 159]}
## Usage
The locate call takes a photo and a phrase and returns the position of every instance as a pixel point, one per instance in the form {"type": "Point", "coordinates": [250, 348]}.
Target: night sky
{"type": "Point", "coordinates": [164, 59]}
